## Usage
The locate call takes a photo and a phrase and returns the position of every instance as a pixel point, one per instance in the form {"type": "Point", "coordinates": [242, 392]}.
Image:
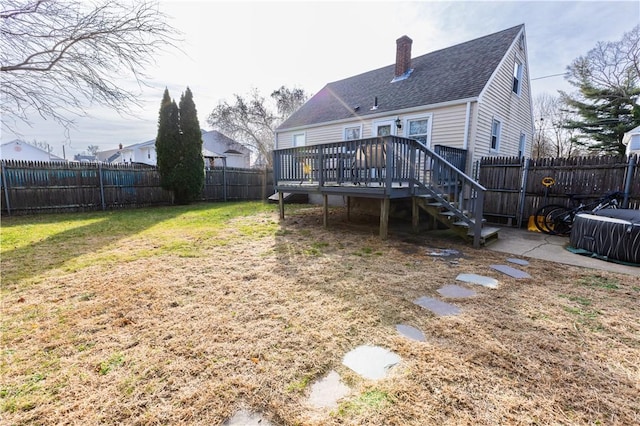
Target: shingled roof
{"type": "Point", "coordinates": [457, 72]}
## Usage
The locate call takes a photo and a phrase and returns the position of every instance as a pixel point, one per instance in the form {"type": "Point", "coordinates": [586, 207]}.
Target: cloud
{"type": "Point", "coordinates": [231, 47]}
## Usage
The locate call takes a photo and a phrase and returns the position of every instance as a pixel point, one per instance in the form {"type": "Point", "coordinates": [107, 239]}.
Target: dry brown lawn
{"type": "Point", "coordinates": [251, 313]}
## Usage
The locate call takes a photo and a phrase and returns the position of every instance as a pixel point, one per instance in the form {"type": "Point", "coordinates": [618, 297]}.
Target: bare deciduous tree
{"type": "Point", "coordinates": [253, 121]}
{"type": "Point", "coordinates": [57, 56]}
{"type": "Point", "coordinates": [552, 137]}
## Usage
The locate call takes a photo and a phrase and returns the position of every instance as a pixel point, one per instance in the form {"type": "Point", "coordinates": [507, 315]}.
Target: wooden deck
{"type": "Point", "coordinates": [381, 168]}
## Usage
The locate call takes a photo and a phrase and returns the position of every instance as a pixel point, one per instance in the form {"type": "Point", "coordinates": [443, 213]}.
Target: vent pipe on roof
{"type": "Point", "coordinates": [403, 55]}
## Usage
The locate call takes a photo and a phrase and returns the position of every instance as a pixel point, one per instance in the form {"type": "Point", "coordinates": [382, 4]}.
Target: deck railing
{"type": "Point", "coordinates": [385, 162]}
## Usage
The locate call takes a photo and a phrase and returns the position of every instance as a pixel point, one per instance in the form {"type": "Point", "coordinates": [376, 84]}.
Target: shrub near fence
{"type": "Point", "coordinates": [515, 190]}
{"type": "Point", "coordinates": [32, 187]}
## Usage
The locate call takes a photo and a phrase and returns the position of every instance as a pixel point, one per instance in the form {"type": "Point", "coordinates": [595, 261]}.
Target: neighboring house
{"type": "Point", "coordinates": [84, 158]}
{"type": "Point", "coordinates": [632, 140]}
{"type": "Point", "coordinates": [19, 150]}
{"type": "Point", "coordinates": [473, 96]}
{"type": "Point", "coordinates": [216, 148]}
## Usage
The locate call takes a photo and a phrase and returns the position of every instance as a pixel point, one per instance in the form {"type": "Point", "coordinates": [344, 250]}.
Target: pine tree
{"type": "Point", "coordinates": [191, 166]}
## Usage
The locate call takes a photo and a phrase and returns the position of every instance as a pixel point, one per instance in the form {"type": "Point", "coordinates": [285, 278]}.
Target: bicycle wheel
{"type": "Point", "coordinates": [560, 221]}
{"type": "Point", "coordinates": [543, 218]}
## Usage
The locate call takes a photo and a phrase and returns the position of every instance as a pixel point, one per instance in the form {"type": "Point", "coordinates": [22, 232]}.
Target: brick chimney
{"type": "Point", "coordinates": [403, 55]}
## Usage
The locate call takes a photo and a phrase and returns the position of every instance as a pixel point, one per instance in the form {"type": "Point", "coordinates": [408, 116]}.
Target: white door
{"type": "Point", "coordinates": [384, 128]}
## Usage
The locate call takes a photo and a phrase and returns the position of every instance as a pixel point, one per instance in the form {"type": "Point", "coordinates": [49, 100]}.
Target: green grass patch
{"type": "Point", "coordinates": [370, 401]}
{"type": "Point", "coordinates": [116, 360]}
{"type": "Point", "coordinates": [599, 281]}
{"type": "Point", "coordinates": [578, 299]}
{"type": "Point", "coordinates": [32, 245]}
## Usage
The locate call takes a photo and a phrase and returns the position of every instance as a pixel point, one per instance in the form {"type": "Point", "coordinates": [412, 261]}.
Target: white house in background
{"type": "Point", "coordinates": [216, 149]}
{"type": "Point", "coordinates": [19, 150]}
{"type": "Point", "coordinates": [632, 140]}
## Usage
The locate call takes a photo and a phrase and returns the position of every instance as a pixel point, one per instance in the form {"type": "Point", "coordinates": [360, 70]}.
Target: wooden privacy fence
{"type": "Point", "coordinates": [515, 188]}
{"type": "Point", "coordinates": [32, 187]}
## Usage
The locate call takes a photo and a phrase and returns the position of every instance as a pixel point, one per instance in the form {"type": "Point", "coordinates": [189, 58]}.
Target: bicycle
{"type": "Point", "coordinates": [555, 219]}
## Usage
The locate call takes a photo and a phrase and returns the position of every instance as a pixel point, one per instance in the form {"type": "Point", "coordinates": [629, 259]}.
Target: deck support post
{"type": "Point", "coordinates": [415, 214]}
{"type": "Point", "coordinates": [348, 208]}
{"type": "Point", "coordinates": [281, 204]}
{"type": "Point", "coordinates": [325, 208]}
{"type": "Point", "coordinates": [385, 204]}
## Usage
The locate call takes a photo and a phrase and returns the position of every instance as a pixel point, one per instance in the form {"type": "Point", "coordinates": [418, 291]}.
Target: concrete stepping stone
{"type": "Point", "coordinates": [512, 272]}
{"type": "Point", "coordinates": [445, 253]}
{"type": "Point", "coordinates": [411, 332]}
{"type": "Point", "coordinates": [371, 362]}
{"type": "Point", "coordinates": [436, 306]}
{"type": "Point", "coordinates": [478, 279]}
{"type": "Point", "coordinates": [247, 418]}
{"type": "Point", "coordinates": [520, 262]}
{"type": "Point", "coordinates": [455, 291]}
{"type": "Point", "coordinates": [326, 392]}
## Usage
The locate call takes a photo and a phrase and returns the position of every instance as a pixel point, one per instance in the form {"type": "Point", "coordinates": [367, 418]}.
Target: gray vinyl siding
{"type": "Point", "coordinates": [512, 110]}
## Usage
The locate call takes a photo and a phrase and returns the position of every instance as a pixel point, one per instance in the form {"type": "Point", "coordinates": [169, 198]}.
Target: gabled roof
{"type": "Point", "coordinates": [213, 140]}
{"type": "Point", "coordinates": [455, 73]}
{"type": "Point", "coordinates": [17, 143]}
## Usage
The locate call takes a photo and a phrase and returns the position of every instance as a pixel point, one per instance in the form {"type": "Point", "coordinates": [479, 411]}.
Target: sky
{"type": "Point", "coordinates": [231, 48]}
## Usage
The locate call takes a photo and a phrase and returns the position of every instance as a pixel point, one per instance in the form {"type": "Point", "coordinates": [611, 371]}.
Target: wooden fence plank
{"type": "Point", "coordinates": [31, 187]}
{"type": "Point", "coordinates": [590, 176]}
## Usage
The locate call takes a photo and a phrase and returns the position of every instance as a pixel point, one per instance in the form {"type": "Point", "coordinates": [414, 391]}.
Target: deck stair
{"type": "Point", "coordinates": [385, 168]}
{"type": "Point", "coordinates": [458, 221]}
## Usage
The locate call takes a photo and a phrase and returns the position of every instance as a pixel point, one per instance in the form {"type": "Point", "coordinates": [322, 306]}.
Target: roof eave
{"type": "Point", "coordinates": [381, 114]}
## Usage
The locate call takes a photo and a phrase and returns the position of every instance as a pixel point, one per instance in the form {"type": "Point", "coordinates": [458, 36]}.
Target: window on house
{"type": "Point", "coordinates": [298, 140]}
{"type": "Point", "coordinates": [521, 146]}
{"type": "Point", "coordinates": [419, 130]}
{"type": "Point", "coordinates": [517, 77]}
{"type": "Point", "coordinates": [495, 135]}
{"type": "Point", "coordinates": [351, 133]}
{"type": "Point", "coordinates": [384, 130]}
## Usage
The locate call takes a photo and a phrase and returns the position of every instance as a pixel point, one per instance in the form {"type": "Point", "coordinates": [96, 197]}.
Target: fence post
{"type": "Point", "coordinates": [104, 205]}
{"type": "Point", "coordinates": [631, 165]}
{"type": "Point", "coordinates": [6, 189]}
{"type": "Point", "coordinates": [224, 179]}
{"type": "Point", "coordinates": [523, 192]}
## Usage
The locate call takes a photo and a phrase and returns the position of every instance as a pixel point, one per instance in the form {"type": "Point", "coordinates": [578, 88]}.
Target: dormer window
{"type": "Point", "coordinates": [517, 77]}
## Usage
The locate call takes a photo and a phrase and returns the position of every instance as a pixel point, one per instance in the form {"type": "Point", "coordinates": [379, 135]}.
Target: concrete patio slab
{"type": "Point", "coordinates": [371, 362]}
{"type": "Point", "coordinates": [436, 306]}
{"type": "Point", "coordinates": [521, 242]}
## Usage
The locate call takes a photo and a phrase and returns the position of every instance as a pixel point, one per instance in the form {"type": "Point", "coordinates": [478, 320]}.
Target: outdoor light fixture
{"type": "Point", "coordinates": [398, 123]}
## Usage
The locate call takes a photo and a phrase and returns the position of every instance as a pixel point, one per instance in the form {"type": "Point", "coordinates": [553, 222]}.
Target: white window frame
{"type": "Point", "coordinates": [380, 123]}
{"type": "Point", "coordinates": [345, 128]}
{"type": "Point", "coordinates": [293, 139]}
{"type": "Point", "coordinates": [497, 136]}
{"type": "Point", "coordinates": [417, 117]}
{"type": "Point", "coordinates": [517, 76]}
{"type": "Point", "coordinates": [522, 144]}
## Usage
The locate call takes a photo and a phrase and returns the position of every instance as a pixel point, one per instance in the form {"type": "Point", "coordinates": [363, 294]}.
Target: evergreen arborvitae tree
{"type": "Point", "coordinates": [167, 140]}
{"type": "Point", "coordinates": [190, 169]}
{"type": "Point", "coordinates": [179, 148]}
